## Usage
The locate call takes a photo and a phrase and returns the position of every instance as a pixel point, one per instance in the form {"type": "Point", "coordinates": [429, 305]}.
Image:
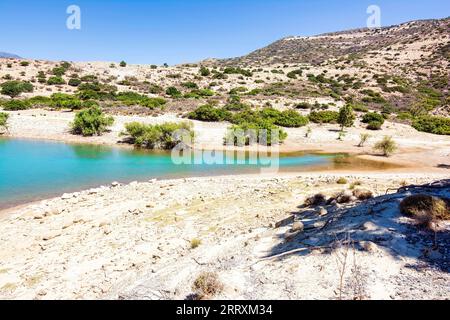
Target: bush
{"type": "Point", "coordinates": [387, 146]}
{"type": "Point", "coordinates": [91, 121]}
{"type": "Point", "coordinates": [430, 124]}
{"type": "Point", "coordinates": [209, 113]}
{"type": "Point", "coordinates": [373, 116]}
{"type": "Point", "coordinates": [324, 116]}
{"type": "Point", "coordinates": [15, 105]}
{"type": "Point", "coordinates": [156, 136]}
{"type": "Point", "coordinates": [204, 72]}
{"type": "Point", "coordinates": [293, 74]}
{"type": "Point", "coordinates": [190, 85]}
{"type": "Point", "coordinates": [374, 125]}
{"type": "Point", "coordinates": [207, 285]}
{"type": "Point", "coordinates": [363, 194]}
{"type": "Point", "coordinates": [425, 208]}
{"type": "Point", "coordinates": [65, 101]}
{"type": "Point", "coordinates": [363, 139]}
{"type": "Point", "coordinates": [315, 200]}
{"type": "Point", "coordinates": [173, 92]}
{"type": "Point", "coordinates": [130, 98]}
{"type": "Point", "coordinates": [24, 63]}
{"type": "Point", "coordinates": [40, 101]}
{"type": "Point", "coordinates": [4, 120]}
{"type": "Point", "coordinates": [261, 132]}
{"type": "Point", "coordinates": [342, 181]}
{"type": "Point", "coordinates": [123, 64]}
{"type": "Point", "coordinates": [59, 71]}
{"type": "Point", "coordinates": [55, 81]}
{"type": "Point", "coordinates": [232, 70]}
{"type": "Point", "coordinates": [291, 119]}
{"type": "Point", "coordinates": [74, 82]}
{"type": "Point", "coordinates": [15, 88]}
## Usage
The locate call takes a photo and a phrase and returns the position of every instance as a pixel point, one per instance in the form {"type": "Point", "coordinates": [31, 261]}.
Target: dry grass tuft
{"type": "Point", "coordinates": [207, 285]}
{"type": "Point", "coordinates": [425, 208]}
{"type": "Point", "coordinates": [315, 200]}
{"type": "Point", "coordinates": [363, 194]}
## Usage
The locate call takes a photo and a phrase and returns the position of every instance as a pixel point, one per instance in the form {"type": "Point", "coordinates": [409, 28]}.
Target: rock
{"type": "Point", "coordinates": [66, 196]}
{"type": "Point", "coordinates": [297, 226]}
{"type": "Point", "coordinates": [322, 211]}
{"type": "Point", "coordinates": [319, 224]}
{"type": "Point", "coordinates": [369, 226]}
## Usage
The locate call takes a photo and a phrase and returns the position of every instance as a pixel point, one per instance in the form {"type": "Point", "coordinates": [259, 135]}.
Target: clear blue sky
{"type": "Point", "coordinates": [176, 31]}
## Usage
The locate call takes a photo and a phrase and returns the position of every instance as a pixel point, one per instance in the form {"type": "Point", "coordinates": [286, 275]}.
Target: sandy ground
{"type": "Point", "coordinates": [133, 242]}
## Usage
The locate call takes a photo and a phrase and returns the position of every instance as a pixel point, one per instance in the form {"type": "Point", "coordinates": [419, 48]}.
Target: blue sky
{"type": "Point", "coordinates": [176, 31]}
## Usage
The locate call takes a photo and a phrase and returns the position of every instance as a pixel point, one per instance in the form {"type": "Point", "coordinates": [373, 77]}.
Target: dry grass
{"type": "Point", "coordinates": [195, 243]}
{"type": "Point", "coordinates": [207, 285]}
{"type": "Point", "coordinates": [342, 181]}
{"type": "Point", "coordinates": [315, 200]}
{"type": "Point", "coordinates": [425, 208]}
{"type": "Point", "coordinates": [363, 194]}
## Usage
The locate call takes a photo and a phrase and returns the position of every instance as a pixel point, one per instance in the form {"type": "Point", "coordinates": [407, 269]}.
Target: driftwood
{"type": "Point", "coordinates": [442, 184]}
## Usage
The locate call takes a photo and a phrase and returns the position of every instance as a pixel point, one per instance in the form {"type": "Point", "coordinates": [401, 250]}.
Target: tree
{"type": "Point", "coordinates": [346, 117]}
{"type": "Point", "coordinates": [387, 146]}
{"type": "Point", "coordinates": [15, 88]}
{"type": "Point", "coordinates": [92, 121]}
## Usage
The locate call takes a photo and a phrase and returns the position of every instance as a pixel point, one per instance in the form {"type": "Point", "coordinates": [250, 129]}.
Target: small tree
{"type": "Point", "coordinates": [363, 139]}
{"type": "Point", "coordinates": [123, 64]}
{"type": "Point", "coordinates": [92, 121]}
{"type": "Point", "coordinates": [15, 88]}
{"type": "Point", "coordinates": [346, 117]}
{"type": "Point", "coordinates": [387, 146]}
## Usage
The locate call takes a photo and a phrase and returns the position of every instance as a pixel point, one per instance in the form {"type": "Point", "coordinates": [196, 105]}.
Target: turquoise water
{"type": "Point", "coordinates": [33, 169]}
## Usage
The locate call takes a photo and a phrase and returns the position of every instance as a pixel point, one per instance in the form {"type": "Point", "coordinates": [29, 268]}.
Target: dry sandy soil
{"type": "Point", "coordinates": [133, 242]}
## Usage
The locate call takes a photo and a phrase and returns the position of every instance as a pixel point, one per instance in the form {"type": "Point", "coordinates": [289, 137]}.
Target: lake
{"type": "Point", "coordinates": [34, 169]}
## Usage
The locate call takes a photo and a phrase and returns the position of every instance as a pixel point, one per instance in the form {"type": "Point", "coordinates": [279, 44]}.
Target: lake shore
{"type": "Point", "coordinates": [411, 153]}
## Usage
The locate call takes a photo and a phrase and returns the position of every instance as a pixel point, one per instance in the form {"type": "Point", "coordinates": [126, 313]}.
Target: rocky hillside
{"type": "Point", "coordinates": [433, 35]}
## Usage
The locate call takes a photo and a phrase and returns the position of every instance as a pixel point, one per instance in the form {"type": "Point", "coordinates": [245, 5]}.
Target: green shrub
{"type": "Point", "coordinates": [91, 121]}
{"type": "Point", "coordinates": [4, 120]}
{"type": "Point", "coordinates": [55, 81]}
{"type": "Point", "coordinates": [65, 101]}
{"type": "Point", "coordinates": [74, 82]}
{"type": "Point", "coordinates": [242, 134]}
{"type": "Point", "coordinates": [40, 101]}
{"type": "Point", "coordinates": [24, 63]}
{"type": "Point", "coordinates": [291, 119]}
{"type": "Point", "coordinates": [131, 98]}
{"type": "Point", "coordinates": [293, 74]}
{"type": "Point", "coordinates": [373, 116]}
{"type": "Point", "coordinates": [190, 85]}
{"type": "Point", "coordinates": [430, 124]}
{"type": "Point", "coordinates": [16, 105]}
{"type": "Point", "coordinates": [237, 70]}
{"type": "Point", "coordinates": [173, 92]}
{"type": "Point", "coordinates": [209, 113]}
{"type": "Point", "coordinates": [157, 136]}
{"type": "Point", "coordinates": [374, 125]}
{"type": "Point", "coordinates": [59, 71]}
{"type": "Point", "coordinates": [204, 72]}
{"type": "Point", "coordinates": [15, 88]}
{"type": "Point", "coordinates": [324, 116]}
{"type": "Point", "coordinates": [304, 106]}
{"type": "Point", "coordinates": [123, 64]}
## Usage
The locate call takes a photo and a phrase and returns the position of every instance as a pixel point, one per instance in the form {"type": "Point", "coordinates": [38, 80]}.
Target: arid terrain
{"type": "Point", "coordinates": [151, 240]}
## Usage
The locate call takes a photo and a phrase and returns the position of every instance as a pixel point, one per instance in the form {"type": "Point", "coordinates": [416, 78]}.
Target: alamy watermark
{"type": "Point", "coordinates": [73, 22]}
{"type": "Point", "coordinates": [374, 20]}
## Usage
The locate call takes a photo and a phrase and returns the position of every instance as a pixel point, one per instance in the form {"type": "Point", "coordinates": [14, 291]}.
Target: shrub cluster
{"type": "Point", "coordinates": [163, 136]}
{"type": "Point", "coordinates": [324, 116]}
{"type": "Point", "coordinates": [374, 120]}
{"type": "Point", "coordinates": [15, 88]}
{"type": "Point", "coordinates": [430, 124]}
{"type": "Point", "coordinates": [91, 121]}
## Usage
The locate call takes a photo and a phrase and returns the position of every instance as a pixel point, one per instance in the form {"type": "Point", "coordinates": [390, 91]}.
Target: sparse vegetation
{"type": "Point", "coordinates": [91, 121]}
{"type": "Point", "coordinates": [3, 121]}
{"type": "Point", "coordinates": [387, 146]}
{"type": "Point", "coordinates": [207, 285]}
{"type": "Point", "coordinates": [435, 125]}
{"type": "Point", "coordinates": [426, 209]}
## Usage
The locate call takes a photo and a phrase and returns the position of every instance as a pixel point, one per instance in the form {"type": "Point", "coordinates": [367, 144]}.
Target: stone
{"type": "Point", "coordinates": [297, 226]}
{"type": "Point", "coordinates": [369, 226]}
{"type": "Point", "coordinates": [322, 211]}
